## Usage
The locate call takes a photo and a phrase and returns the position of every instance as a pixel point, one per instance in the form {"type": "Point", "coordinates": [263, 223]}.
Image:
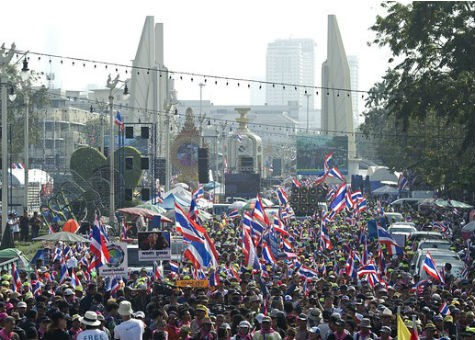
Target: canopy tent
{"type": "Point", "coordinates": [183, 198]}
{"type": "Point", "coordinates": [385, 190]}
{"type": "Point", "coordinates": [142, 212]}
{"type": "Point", "coordinates": [34, 176]}
{"type": "Point", "coordinates": [153, 207]}
{"type": "Point", "coordinates": [62, 236]}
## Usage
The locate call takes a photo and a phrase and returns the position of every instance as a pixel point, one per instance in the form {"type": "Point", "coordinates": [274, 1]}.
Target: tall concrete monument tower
{"type": "Point", "coordinates": [337, 115]}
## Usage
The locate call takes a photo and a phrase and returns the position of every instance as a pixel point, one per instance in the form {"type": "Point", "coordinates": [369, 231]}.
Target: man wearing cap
{"type": "Point", "coordinates": [339, 332]}
{"type": "Point", "coordinates": [243, 331]}
{"type": "Point", "coordinates": [75, 326]}
{"type": "Point", "coordinates": [129, 329]}
{"type": "Point", "coordinates": [365, 330]}
{"type": "Point", "coordinates": [266, 332]}
{"type": "Point", "coordinates": [92, 330]}
{"type": "Point", "coordinates": [302, 332]}
{"type": "Point", "coordinates": [200, 313]}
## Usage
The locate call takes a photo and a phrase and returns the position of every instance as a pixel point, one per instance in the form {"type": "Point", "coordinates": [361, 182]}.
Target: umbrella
{"type": "Point", "coordinates": [71, 226]}
{"type": "Point", "coordinates": [250, 203]}
{"type": "Point", "coordinates": [468, 230]}
{"type": "Point", "coordinates": [153, 207]}
{"type": "Point", "coordinates": [460, 205]}
{"type": "Point", "coordinates": [236, 205]}
{"type": "Point", "coordinates": [142, 212]}
{"type": "Point", "coordinates": [211, 185]}
{"type": "Point", "coordinates": [62, 236]}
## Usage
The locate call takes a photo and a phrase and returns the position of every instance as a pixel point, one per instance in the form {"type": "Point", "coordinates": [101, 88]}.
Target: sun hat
{"type": "Point", "coordinates": [139, 315]}
{"type": "Point", "coordinates": [21, 304]}
{"type": "Point", "coordinates": [244, 324]}
{"type": "Point", "coordinates": [90, 319]}
{"type": "Point", "coordinates": [260, 317]}
{"type": "Point", "coordinates": [125, 308]}
{"type": "Point", "coordinates": [68, 292]}
{"type": "Point", "coordinates": [365, 323]}
{"type": "Point", "coordinates": [75, 317]}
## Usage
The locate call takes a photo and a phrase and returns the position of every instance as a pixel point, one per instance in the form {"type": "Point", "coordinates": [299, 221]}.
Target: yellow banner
{"type": "Point", "coordinates": [193, 283]}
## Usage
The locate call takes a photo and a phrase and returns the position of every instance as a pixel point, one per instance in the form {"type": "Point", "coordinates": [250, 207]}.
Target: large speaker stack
{"type": "Point", "coordinates": [203, 167]}
{"type": "Point", "coordinates": [304, 200]}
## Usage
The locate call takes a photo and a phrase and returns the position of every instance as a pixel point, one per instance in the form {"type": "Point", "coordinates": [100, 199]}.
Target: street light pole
{"type": "Point", "coordinates": [25, 75]}
{"type": "Point", "coordinates": [307, 95]}
{"type": "Point", "coordinates": [4, 60]}
{"type": "Point", "coordinates": [111, 84]}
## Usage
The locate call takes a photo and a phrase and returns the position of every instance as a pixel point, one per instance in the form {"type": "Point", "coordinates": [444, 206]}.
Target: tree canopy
{"type": "Point", "coordinates": [422, 113]}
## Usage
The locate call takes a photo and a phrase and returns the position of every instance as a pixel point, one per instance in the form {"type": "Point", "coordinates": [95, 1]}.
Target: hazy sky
{"type": "Point", "coordinates": [225, 38]}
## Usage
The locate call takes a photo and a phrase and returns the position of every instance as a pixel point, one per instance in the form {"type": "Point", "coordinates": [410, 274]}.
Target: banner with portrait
{"type": "Point", "coordinates": [154, 246]}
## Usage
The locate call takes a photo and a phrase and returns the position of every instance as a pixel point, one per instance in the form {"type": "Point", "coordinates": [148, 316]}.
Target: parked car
{"type": "Point", "coordinates": [426, 235]}
{"type": "Point", "coordinates": [438, 244]}
{"type": "Point", "coordinates": [393, 217]}
{"type": "Point", "coordinates": [441, 257]}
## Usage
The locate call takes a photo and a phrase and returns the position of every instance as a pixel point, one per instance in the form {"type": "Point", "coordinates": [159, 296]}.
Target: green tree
{"type": "Point", "coordinates": [38, 100]}
{"type": "Point", "coordinates": [421, 116]}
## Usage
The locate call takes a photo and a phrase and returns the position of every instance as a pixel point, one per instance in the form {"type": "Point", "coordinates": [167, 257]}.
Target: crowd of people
{"type": "Point", "coordinates": [276, 301]}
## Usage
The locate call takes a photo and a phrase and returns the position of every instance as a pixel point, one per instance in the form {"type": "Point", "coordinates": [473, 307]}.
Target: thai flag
{"type": "Point", "coordinates": [320, 178]}
{"type": "Point", "coordinates": [440, 226]}
{"type": "Point", "coordinates": [114, 286]}
{"type": "Point", "coordinates": [380, 209]}
{"type": "Point", "coordinates": [187, 227]}
{"type": "Point", "coordinates": [430, 268]}
{"type": "Point", "coordinates": [282, 196]}
{"type": "Point", "coordinates": [326, 162]}
{"type": "Point", "coordinates": [66, 252]}
{"type": "Point", "coordinates": [156, 272]}
{"type": "Point", "coordinates": [119, 121]}
{"type": "Point", "coordinates": [239, 138]}
{"type": "Point", "coordinates": [249, 249]}
{"type": "Point", "coordinates": [57, 254]}
{"type": "Point", "coordinates": [373, 279]}
{"type": "Point", "coordinates": [287, 246]}
{"type": "Point", "coordinates": [338, 202]}
{"type": "Point", "coordinates": [402, 182]}
{"type": "Point", "coordinates": [271, 169]}
{"type": "Point", "coordinates": [335, 173]}
{"type": "Point", "coordinates": [350, 266]}
{"type": "Point", "coordinates": [385, 238]}
{"type": "Point", "coordinates": [199, 193]}
{"type": "Point", "coordinates": [37, 288]}
{"type": "Point", "coordinates": [464, 272]}
{"type": "Point", "coordinates": [296, 182]}
{"type": "Point", "coordinates": [234, 214]}
{"type": "Point", "coordinates": [63, 274]}
{"type": "Point", "coordinates": [369, 268]}
{"type": "Point", "coordinates": [444, 309]}
{"type": "Point", "coordinates": [202, 254]}
{"type": "Point", "coordinates": [193, 212]}
{"type": "Point", "coordinates": [279, 227]}
{"type": "Point", "coordinates": [365, 257]}
{"type": "Point", "coordinates": [349, 200]}
{"type": "Point", "coordinates": [419, 287]}
{"type": "Point", "coordinates": [124, 230]}
{"type": "Point", "coordinates": [259, 214]}
{"type": "Point", "coordinates": [75, 282]}
{"type": "Point", "coordinates": [214, 278]}
{"type": "Point", "coordinates": [98, 247]}
{"type": "Point", "coordinates": [325, 238]}
{"type": "Point", "coordinates": [307, 272]}
{"type": "Point", "coordinates": [362, 206]}
{"type": "Point", "coordinates": [357, 195]}
{"type": "Point", "coordinates": [174, 267]}
{"type": "Point", "coordinates": [84, 261]}
{"type": "Point", "coordinates": [16, 279]}
{"type": "Point", "coordinates": [267, 255]}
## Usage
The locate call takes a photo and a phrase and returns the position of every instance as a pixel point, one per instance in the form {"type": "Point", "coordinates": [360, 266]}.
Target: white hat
{"type": "Point", "coordinates": [139, 314]}
{"type": "Point", "coordinates": [68, 291]}
{"type": "Point", "coordinates": [125, 308]}
{"type": "Point", "coordinates": [21, 304]}
{"type": "Point", "coordinates": [90, 319]}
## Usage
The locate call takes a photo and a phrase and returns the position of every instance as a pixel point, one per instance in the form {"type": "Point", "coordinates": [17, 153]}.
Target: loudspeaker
{"type": "Point", "coordinates": [129, 163]}
{"type": "Point", "coordinates": [128, 194]}
{"type": "Point", "coordinates": [312, 200]}
{"type": "Point", "coordinates": [295, 190]}
{"type": "Point", "coordinates": [294, 199]}
{"type": "Point", "coordinates": [144, 163]}
{"type": "Point", "coordinates": [277, 166]}
{"type": "Point", "coordinates": [303, 199]}
{"type": "Point", "coordinates": [161, 170]}
{"type": "Point", "coordinates": [144, 132]}
{"type": "Point", "coordinates": [203, 168]}
{"type": "Point", "coordinates": [145, 193]}
{"type": "Point", "coordinates": [129, 132]}
{"type": "Point", "coordinates": [313, 191]}
{"type": "Point", "coordinates": [303, 191]}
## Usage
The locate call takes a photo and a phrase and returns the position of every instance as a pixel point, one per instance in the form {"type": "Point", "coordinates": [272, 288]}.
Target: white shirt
{"type": "Point", "coordinates": [92, 334]}
{"type": "Point", "coordinates": [132, 329]}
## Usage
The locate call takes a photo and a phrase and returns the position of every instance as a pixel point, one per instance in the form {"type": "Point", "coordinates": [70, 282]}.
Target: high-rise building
{"type": "Point", "coordinates": [290, 61]}
{"type": "Point", "coordinates": [353, 64]}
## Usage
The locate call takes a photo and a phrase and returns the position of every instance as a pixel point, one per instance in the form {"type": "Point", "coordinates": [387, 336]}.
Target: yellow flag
{"type": "Point", "coordinates": [402, 331]}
